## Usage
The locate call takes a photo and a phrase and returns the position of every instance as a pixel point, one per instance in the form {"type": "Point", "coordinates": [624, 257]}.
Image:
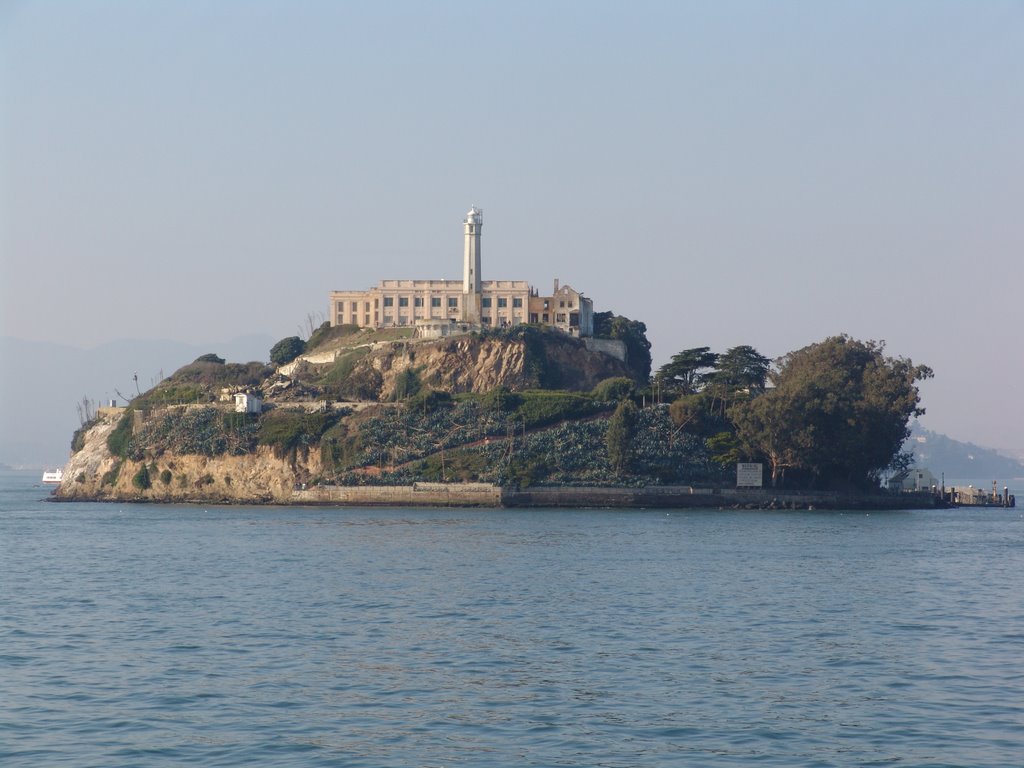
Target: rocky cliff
{"type": "Point", "coordinates": [95, 473]}
{"type": "Point", "coordinates": [519, 359]}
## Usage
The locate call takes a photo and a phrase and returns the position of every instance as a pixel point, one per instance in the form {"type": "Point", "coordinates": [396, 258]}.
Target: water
{"type": "Point", "coordinates": [171, 635]}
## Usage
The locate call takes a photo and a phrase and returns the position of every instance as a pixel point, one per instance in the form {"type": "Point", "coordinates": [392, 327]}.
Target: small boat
{"type": "Point", "coordinates": [55, 477]}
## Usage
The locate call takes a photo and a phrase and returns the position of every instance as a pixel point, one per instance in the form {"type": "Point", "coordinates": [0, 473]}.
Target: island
{"type": "Point", "coordinates": [488, 393]}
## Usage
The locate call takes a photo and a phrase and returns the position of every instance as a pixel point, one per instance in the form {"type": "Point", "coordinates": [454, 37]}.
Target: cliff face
{"type": "Point", "coordinates": [474, 364]}
{"type": "Point", "coordinates": [94, 473]}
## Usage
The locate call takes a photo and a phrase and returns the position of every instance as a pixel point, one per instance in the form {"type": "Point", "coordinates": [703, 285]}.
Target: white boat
{"type": "Point", "coordinates": [55, 476]}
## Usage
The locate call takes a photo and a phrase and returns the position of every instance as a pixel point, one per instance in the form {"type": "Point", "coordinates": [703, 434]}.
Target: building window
{"type": "Point", "coordinates": [388, 320]}
{"type": "Point", "coordinates": [560, 317]}
{"type": "Point", "coordinates": [502, 302]}
{"type": "Point", "coordinates": [546, 306]}
{"type": "Point", "coordinates": [545, 316]}
{"type": "Point", "coordinates": [366, 319]}
{"type": "Point", "coordinates": [341, 307]}
{"type": "Point", "coordinates": [418, 301]}
{"type": "Point", "coordinates": [485, 302]}
{"type": "Point", "coordinates": [517, 303]}
{"type": "Point", "coordinates": [354, 306]}
{"type": "Point", "coordinates": [403, 320]}
{"type": "Point", "coordinates": [533, 317]}
{"type": "Point", "coordinates": [389, 301]}
{"type": "Point", "coordinates": [403, 301]}
{"type": "Point", "coordinates": [453, 302]}
{"type": "Point", "coordinates": [486, 320]}
{"type": "Point", "coordinates": [435, 301]}
{"type": "Point", "coordinates": [561, 304]}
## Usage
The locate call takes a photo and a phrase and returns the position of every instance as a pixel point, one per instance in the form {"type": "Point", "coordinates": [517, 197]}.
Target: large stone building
{"type": "Point", "coordinates": [432, 304]}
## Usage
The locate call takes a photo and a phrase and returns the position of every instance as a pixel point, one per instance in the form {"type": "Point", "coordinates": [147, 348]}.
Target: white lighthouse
{"type": "Point", "coordinates": [471, 286]}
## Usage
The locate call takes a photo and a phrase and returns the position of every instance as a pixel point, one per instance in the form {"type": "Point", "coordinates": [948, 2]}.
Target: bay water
{"type": "Point", "coordinates": [153, 635]}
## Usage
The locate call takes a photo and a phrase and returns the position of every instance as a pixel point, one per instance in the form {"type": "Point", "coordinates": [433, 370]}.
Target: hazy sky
{"type": "Point", "coordinates": [765, 173]}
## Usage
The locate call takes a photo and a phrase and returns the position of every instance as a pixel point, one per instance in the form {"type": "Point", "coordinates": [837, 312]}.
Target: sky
{"type": "Point", "coordinates": [729, 173]}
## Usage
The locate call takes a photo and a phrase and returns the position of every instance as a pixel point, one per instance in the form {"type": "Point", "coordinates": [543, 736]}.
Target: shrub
{"type": "Point", "coordinates": [119, 439]}
{"type": "Point", "coordinates": [286, 350]}
{"type": "Point", "coordinates": [407, 384]}
{"type": "Point", "coordinates": [78, 439]}
{"type": "Point", "coordinates": [614, 389]}
{"type": "Point", "coordinates": [141, 479]}
{"type": "Point", "coordinates": [210, 357]}
{"type": "Point", "coordinates": [165, 477]}
{"type": "Point", "coordinates": [110, 476]}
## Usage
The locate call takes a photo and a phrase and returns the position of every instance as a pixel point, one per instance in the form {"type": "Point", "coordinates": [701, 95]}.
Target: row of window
{"type": "Point", "coordinates": [486, 319]}
{"type": "Point", "coordinates": [435, 302]}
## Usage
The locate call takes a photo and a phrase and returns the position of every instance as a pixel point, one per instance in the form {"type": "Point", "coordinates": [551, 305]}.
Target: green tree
{"type": "Point", "coordinates": [742, 367]}
{"type": "Point", "coordinates": [621, 431]}
{"type": "Point", "coordinates": [608, 325]}
{"type": "Point", "coordinates": [740, 372]}
{"type": "Point", "coordinates": [687, 372]}
{"type": "Point", "coordinates": [286, 350]}
{"type": "Point", "coordinates": [837, 415]}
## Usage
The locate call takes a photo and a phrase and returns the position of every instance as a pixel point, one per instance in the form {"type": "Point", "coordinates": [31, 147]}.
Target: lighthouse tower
{"type": "Point", "coordinates": [471, 266]}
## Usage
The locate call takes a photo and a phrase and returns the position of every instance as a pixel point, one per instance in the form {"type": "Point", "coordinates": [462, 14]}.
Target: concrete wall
{"type": "Point", "coordinates": [612, 347]}
{"type": "Point", "coordinates": [664, 497]}
{"type": "Point", "coordinates": [418, 494]}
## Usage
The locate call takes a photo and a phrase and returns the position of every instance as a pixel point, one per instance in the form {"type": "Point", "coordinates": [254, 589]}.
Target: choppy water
{"type": "Point", "coordinates": [159, 636]}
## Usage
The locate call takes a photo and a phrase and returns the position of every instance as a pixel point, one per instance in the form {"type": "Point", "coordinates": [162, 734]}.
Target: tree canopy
{"type": "Point", "coordinates": [620, 435]}
{"type": "Point", "coordinates": [286, 350]}
{"type": "Point", "coordinates": [687, 372]}
{"type": "Point", "coordinates": [837, 415]}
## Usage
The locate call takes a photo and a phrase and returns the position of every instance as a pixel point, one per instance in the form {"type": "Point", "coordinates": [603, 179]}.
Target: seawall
{"type": "Point", "coordinates": [485, 495]}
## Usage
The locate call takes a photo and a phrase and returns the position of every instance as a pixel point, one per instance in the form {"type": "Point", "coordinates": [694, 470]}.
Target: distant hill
{"type": "Point", "coordinates": [42, 382]}
{"type": "Point", "coordinates": [942, 454]}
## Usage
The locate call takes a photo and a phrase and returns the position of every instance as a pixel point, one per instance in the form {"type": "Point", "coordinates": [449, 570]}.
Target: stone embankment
{"type": "Point", "coordinates": [660, 497]}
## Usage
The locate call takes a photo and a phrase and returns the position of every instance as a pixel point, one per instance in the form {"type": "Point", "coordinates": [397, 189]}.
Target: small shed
{"type": "Point", "coordinates": [916, 479]}
{"type": "Point", "coordinates": [246, 402]}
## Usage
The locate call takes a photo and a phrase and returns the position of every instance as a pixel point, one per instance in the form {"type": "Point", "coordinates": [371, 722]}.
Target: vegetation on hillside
{"type": "Point", "coordinates": [201, 382]}
{"type": "Point", "coordinates": [831, 415]}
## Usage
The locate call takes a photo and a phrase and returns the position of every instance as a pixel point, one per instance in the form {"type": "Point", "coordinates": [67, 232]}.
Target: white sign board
{"type": "Point", "coordinates": [749, 475]}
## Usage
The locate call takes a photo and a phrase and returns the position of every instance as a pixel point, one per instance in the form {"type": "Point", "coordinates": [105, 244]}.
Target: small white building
{"type": "Point", "coordinates": [915, 479]}
{"type": "Point", "coordinates": [246, 402]}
